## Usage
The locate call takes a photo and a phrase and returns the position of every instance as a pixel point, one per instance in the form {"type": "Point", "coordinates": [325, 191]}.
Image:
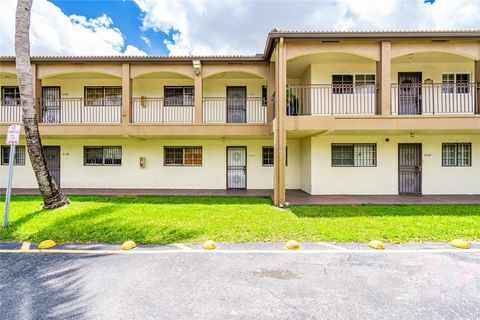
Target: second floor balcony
{"type": "Point", "coordinates": [66, 110]}
{"type": "Point", "coordinates": [80, 110]}
{"type": "Point", "coordinates": [234, 110]}
{"type": "Point", "coordinates": [163, 110]}
{"type": "Point", "coordinates": [331, 99]}
{"type": "Point", "coordinates": [433, 98]}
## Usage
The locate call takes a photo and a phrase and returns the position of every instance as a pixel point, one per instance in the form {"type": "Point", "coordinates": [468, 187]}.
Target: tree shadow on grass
{"type": "Point", "coordinates": [99, 224]}
{"type": "Point", "coordinates": [355, 211]}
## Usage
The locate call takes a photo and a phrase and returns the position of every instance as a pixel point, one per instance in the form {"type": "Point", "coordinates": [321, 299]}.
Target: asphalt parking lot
{"type": "Point", "coordinates": [240, 281]}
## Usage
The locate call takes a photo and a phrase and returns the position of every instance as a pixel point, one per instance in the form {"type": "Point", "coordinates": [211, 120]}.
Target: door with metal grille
{"type": "Point", "coordinates": [236, 167]}
{"type": "Point", "coordinates": [236, 104]}
{"type": "Point", "coordinates": [51, 104]}
{"type": "Point", "coordinates": [410, 93]}
{"type": "Point", "coordinates": [52, 155]}
{"type": "Point", "coordinates": [410, 168]}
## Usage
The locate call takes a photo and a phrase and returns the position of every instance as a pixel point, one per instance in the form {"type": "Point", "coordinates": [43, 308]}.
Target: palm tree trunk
{"type": "Point", "coordinates": [52, 195]}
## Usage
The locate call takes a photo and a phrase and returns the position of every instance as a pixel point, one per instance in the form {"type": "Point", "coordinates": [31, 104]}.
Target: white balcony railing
{"type": "Point", "coordinates": [10, 111]}
{"type": "Point", "coordinates": [331, 99]}
{"type": "Point", "coordinates": [433, 98]}
{"type": "Point", "coordinates": [65, 110]}
{"type": "Point", "coordinates": [234, 110]}
{"type": "Point", "coordinates": [160, 110]}
{"type": "Point", "coordinates": [80, 110]}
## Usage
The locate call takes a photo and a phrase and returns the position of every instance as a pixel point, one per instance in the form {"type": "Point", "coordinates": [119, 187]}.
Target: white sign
{"type": "Point", "coordinates": [13, 134]}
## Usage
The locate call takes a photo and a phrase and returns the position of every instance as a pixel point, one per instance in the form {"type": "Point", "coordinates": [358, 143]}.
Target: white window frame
{"type": "Point", "coordinates": [354, 75]}
{"type": "Point", "coordinates": [445, 89]}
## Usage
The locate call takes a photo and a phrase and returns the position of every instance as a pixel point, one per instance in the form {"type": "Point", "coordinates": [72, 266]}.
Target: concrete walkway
{"type": "Point", "coordinates": [154, 192]}
{"type": "Point", "coordinates": [294, 197]}
{"type": "Point", "coordinates": [301, 197]}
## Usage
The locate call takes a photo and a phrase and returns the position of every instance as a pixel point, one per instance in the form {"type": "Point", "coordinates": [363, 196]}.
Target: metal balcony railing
{"type": "Point", "coordinates": [331, 99]}
{"type": "Point", "coordinates": [80, 110]}
{"type": "Point", "coordinates": [234, 110]}
{"type": "Point", "coordinates": [433, 98]}
{"type": "Point", "coordinates": [10, 111]}
{"type": "Point", "coordinates": [163, 110]}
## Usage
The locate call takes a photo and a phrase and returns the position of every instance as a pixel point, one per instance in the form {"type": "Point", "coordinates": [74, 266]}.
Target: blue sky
{"type": "Point", "coordinates": [207, 27]}
{"type": "Point", "coordinates": [125, 15]}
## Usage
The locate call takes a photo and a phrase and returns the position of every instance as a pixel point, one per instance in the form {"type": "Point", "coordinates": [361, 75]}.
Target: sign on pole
{"type": "Point", "coordinates": [13, 138]}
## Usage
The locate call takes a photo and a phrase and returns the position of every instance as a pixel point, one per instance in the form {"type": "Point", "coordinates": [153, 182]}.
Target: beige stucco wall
{"type": "Point", "coordinates": [154, 88]}
{"type": "Point", "coordinates": [8, 82]}
{"type": "Point", "coordinates": [433, 71]}
{"type": "Point", "coordinates": [306, 164]}
{"type": "Point", "coordinates": [212, 175]}
{"type": "Point", "coordinates": [322, 73]}
{"type": "Point", "coordinates": [383, 179]}
{"type": "Point", "coordinates": [309, 166]}
{"type": "Point", "coordinates": [213, 87]}
{"type": "Point", "coordinates": [74, 88]}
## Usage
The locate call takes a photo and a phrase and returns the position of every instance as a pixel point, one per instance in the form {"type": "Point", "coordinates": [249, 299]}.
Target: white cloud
{"type": "Point", "coordinates": [147, 41]}
{"type": "Point", "coordinates": [240, 27]}
{"type": "Point", "coordinates": [54, 33]}
{"type": "Point", "coordinates": [133, 51]}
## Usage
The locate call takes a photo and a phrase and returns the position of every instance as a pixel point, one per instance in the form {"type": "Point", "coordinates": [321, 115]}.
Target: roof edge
{"type": "Point", "coordinates": [369, 35]}
{"type": "Point", "coordinates": [271, 38]}
{"type": "Point", "coordinates": [150, 59]}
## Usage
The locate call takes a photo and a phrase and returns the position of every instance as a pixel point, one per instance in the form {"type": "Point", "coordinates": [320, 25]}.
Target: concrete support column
{"type": "Point", "coordinates": [384, 75]}
{"type": "Point", "coordinates": [270, 90]}
{"type": "Point", "coordinates": [279, 133]}
{"type": "Point", "coordinates": [198, 98]}
{"type": "Point", "coordinates": [37, 91]}
{"type": "Point", "coordinates": [477, 81]}
{"type": "Point", "coordinates": [126, 94]}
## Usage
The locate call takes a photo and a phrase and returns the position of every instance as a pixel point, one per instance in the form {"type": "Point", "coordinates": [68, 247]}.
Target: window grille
{"type": "Point", "coordinates": [455, 82]}
{"type": "Point", "coordinates": [456, 154]}
{"type": "Point", "coordinates": [353, 83]}
{"type": "Point", "coordinates": [183, 156]}
{"type": "Point", "coordinates": [342, 83]}
{"type": "Point", "coordinates": [10, 96]}
{"type": "Point", "coordinates": [19, 157]}
{"type": "Point", "coordinates": [103, 96]}
{"type": "Point", "coordinates": [264, 96]}
{"type": "Point", "coordinates": [179, 96]}
{"type": "Point", "coordinates": [268, 156]}
{"type": "Point", "coordinates": [102, 156]}
{"type": "Point", "coordinates": [354, 155]}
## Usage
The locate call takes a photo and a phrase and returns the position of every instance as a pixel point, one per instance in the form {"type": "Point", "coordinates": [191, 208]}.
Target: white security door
{"type": "Point", "coordinates": [236, 167]}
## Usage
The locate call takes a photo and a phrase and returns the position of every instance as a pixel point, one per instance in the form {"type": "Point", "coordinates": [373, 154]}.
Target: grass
{"type": "Point", "coordinates": [162, 220]}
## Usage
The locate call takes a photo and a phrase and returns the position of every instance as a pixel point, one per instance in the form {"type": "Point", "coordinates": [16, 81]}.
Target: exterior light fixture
{"type": "Point", "coordinates": [197, 67]}
{"type": "Point", "coordinates": [412, 134]}
{"type": "Point", "coordinates": [410, 56]}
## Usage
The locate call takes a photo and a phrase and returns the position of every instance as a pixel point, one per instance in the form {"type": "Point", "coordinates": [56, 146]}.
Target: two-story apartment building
{"type": "Point", "coordinates": [325, 112]}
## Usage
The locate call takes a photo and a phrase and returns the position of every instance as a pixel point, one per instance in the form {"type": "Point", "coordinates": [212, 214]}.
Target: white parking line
{"type": "Point", "coordinates": [25, 246]}
{"type": "Point", "coordinates": [331, 246]}
{"type": "Point", "coordinates": [182, 246]}
{"type": "Point", "coordinates": [223, 251]}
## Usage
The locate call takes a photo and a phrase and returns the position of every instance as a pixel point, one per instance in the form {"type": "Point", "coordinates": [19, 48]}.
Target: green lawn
{"type": "Point", "coordinates": [162, 220]}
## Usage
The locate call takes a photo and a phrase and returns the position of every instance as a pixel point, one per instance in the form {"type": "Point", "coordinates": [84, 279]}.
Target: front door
{"type": "Point", "coordinates": [236, 104]}
{"type": "Point", "coordinates": [51, 104]}
{"type": "Point", "coordinates": [410, 93]}
{"type": "Point", "coordinates": [52, 155]}
{"type": "Point", "coordinates": [236, 167]}
{"type": "Point", "coordinates": [410, 168]}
